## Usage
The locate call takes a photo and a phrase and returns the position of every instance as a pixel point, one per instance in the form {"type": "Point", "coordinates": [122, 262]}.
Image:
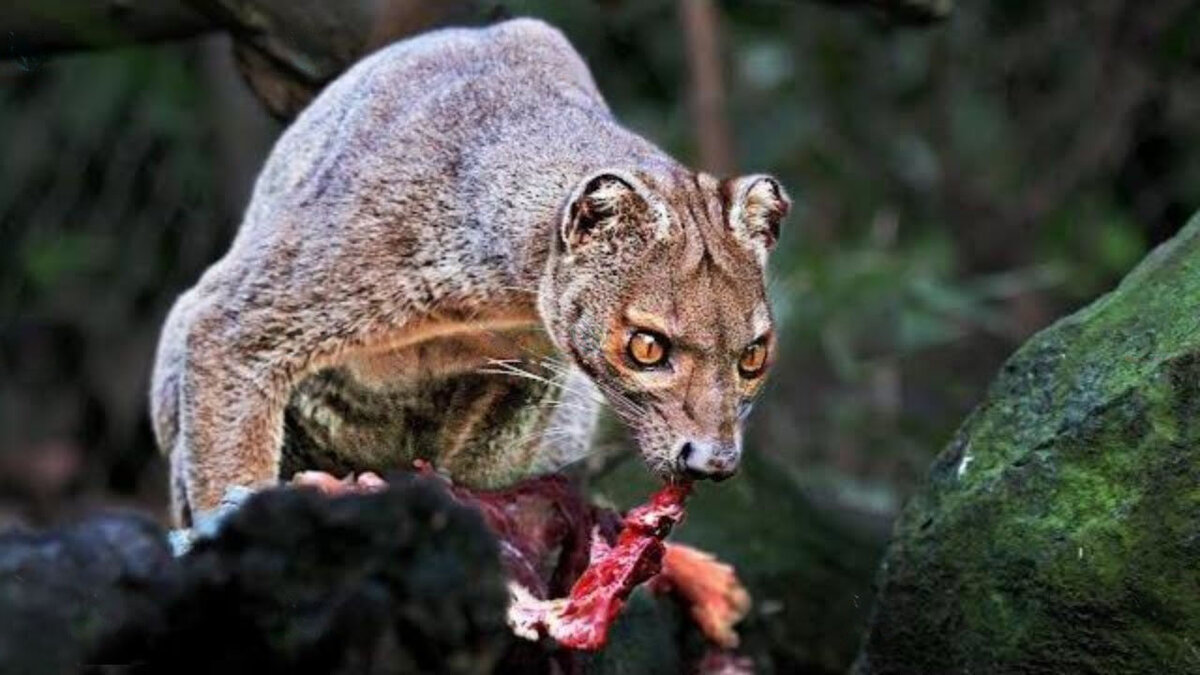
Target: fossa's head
{"type": "Point", "coordinates": [655, 288]}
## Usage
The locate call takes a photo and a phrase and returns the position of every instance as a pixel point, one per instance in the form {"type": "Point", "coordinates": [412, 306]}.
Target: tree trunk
{"type": "Point", "coordinates": [702, 30]}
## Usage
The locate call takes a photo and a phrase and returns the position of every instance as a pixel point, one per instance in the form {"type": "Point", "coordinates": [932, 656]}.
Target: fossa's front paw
{"type": "Point", "coordinates": [331, 485]}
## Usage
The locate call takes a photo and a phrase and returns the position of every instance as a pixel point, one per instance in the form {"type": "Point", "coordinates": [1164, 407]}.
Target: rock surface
{"type": "Point", "coordinates": [402, 581]}
{"type": "Point", "coordinates": [1060, 529]}
{"type": "Point", "coordinates": [64, 593]}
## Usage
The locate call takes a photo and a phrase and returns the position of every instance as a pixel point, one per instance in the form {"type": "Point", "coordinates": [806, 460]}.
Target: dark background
{"type": "Point", "coordinates": [958, 185]}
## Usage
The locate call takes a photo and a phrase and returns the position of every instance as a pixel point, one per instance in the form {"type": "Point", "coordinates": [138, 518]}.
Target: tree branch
{"type": "Point", "coordinates": [904, 11]}
{"type": "Point", "coordinates": [39, 27]}
{"type": "Point", "coordinates": [286, 49]}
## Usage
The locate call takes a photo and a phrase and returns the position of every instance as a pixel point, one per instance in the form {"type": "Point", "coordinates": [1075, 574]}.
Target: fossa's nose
{"type": "Point", "coordinates": [716, 460]}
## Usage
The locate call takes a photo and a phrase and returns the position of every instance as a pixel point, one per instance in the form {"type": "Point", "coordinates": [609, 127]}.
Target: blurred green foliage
{"type": "Point", "coordinates": [110, 204]}
{"type": "Point", "coordinates": [957, 187]}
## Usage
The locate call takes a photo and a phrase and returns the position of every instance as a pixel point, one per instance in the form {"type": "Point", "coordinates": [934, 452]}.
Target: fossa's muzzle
{"type": "Point", "coordinates": [716, 460]}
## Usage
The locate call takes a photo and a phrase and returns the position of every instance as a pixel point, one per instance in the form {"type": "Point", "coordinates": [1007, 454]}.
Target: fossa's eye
{"type": "Point", "coordinates": [648, 349]}
{"type": "Point", "coordinates": [753, 360]}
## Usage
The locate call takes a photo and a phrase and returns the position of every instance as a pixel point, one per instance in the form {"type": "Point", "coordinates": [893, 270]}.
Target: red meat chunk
{"type": "Point", "coordinates": [582, 619]}
{"type": "Point", "coordinates": [572, 565]}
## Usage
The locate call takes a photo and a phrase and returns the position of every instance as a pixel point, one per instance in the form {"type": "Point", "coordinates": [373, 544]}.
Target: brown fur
{"type": "Point", "coordinates": [463, 184]}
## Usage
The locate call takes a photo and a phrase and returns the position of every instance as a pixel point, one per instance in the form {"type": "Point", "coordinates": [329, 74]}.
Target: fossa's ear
{"type": "Point", "coordinates": [607, 205]}
{"type": "Point", "coordinates": [757, 206]}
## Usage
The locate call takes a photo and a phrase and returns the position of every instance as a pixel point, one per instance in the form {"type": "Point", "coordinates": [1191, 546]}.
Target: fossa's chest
{"type": "Point", "coordinates": [489, 408]}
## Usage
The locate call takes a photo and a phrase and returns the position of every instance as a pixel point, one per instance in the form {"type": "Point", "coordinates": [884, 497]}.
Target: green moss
{"type": "Point", "coordinates": [1060, 529]}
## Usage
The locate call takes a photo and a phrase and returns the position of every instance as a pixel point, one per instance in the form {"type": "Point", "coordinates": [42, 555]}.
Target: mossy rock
{"type": "Point", "coordinates": [1060, 529]}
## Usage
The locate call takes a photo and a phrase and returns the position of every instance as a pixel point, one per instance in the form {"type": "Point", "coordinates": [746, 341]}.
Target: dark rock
{"type": "Point", "coordinates": [64, 593]}
{"type": "Point", "coordinates": [406, 580]}
{"type": "Point", "coordinates": [1060, 529]}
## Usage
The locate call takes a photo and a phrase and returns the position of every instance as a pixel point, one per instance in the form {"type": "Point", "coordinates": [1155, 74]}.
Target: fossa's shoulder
{"type": "Point", "coordinates": [529, 49]}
